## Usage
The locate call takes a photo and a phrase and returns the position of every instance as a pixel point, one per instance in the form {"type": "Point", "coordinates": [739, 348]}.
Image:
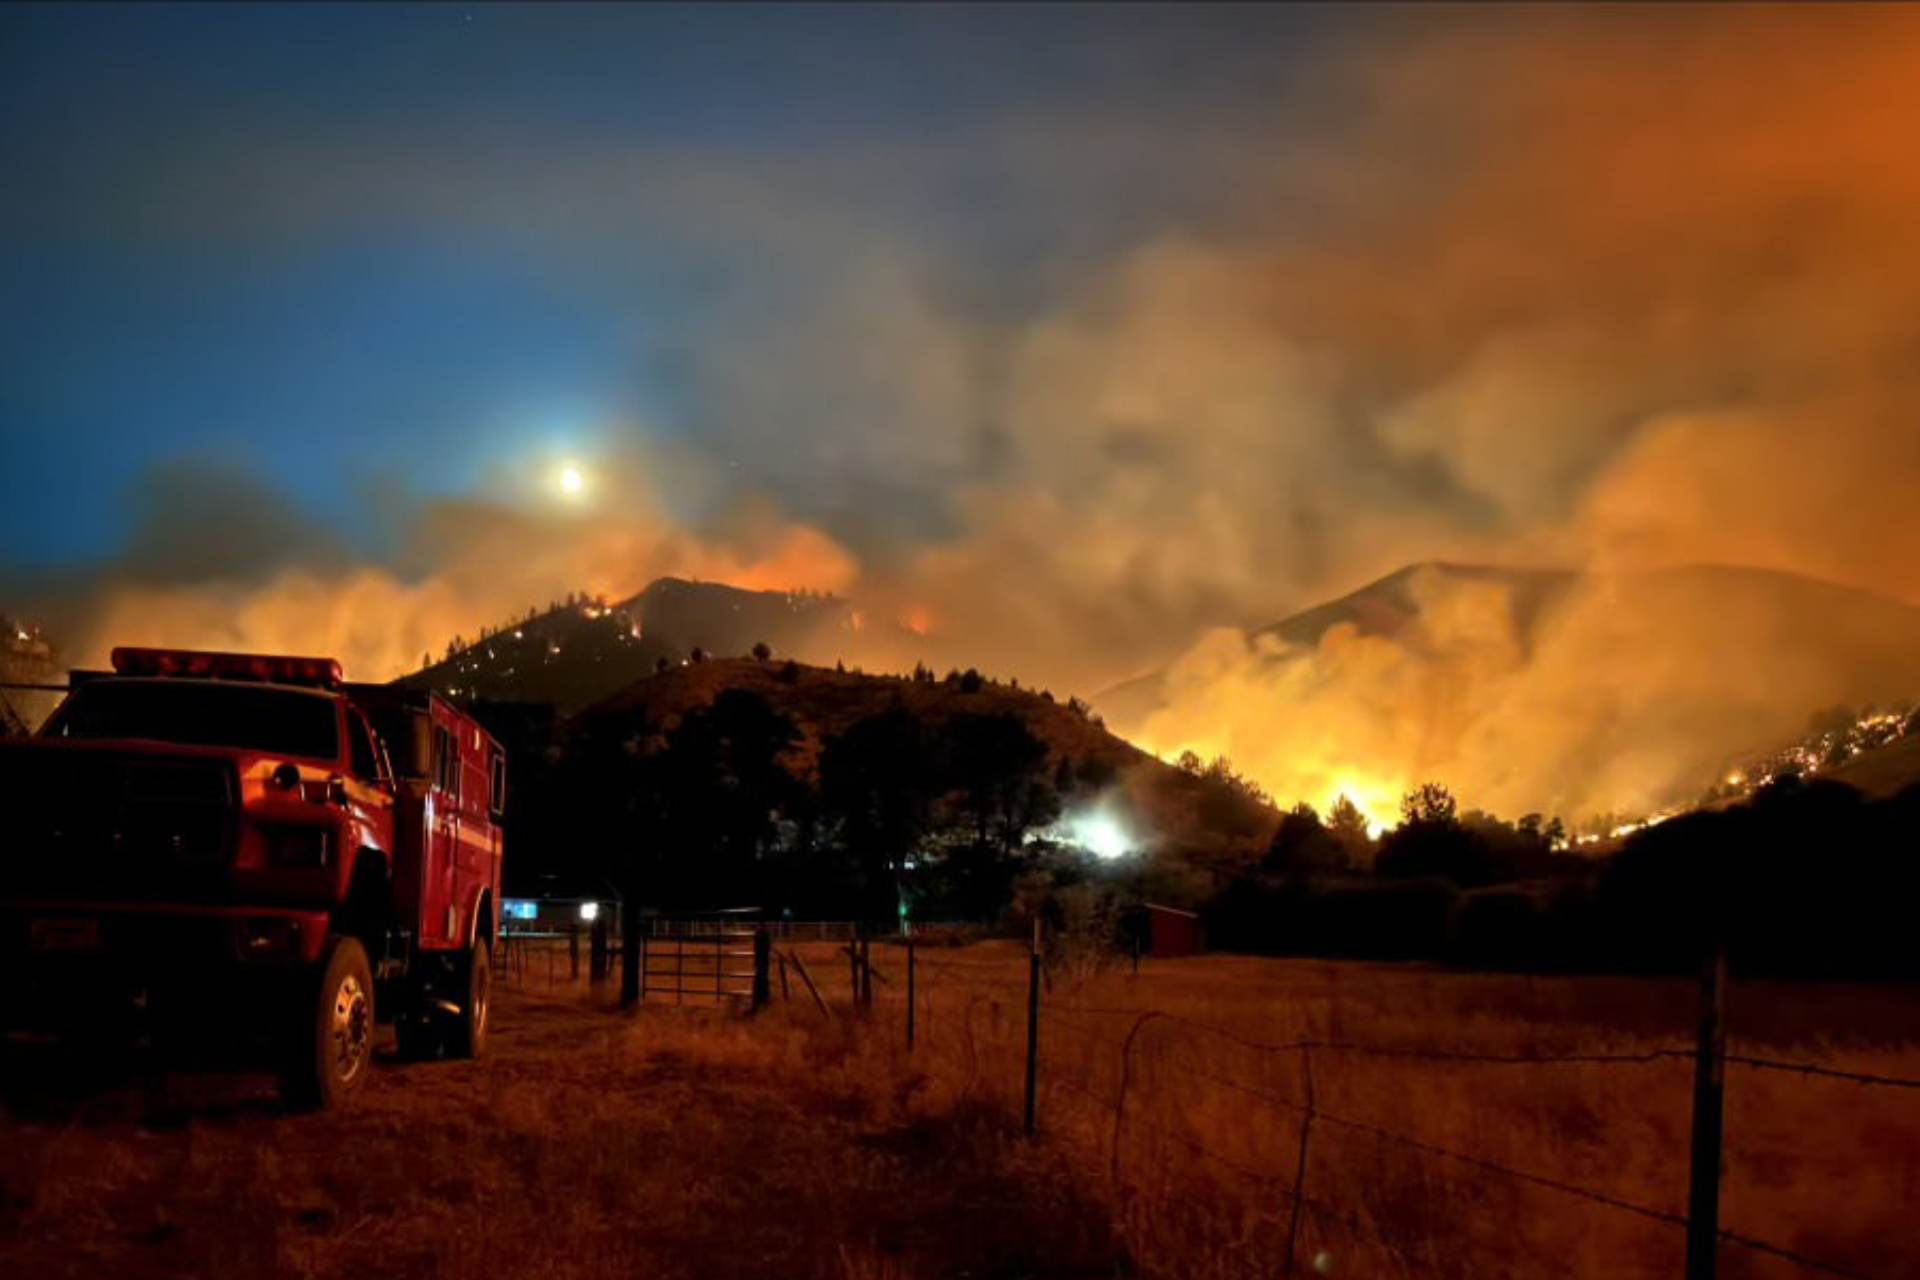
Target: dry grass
{"type": "Point", "coordinates": [684, 1143]}
{"type": "Point", "coordinates": [673, 1143]}
{"type": "Point", "coordinates": [1198, 1168]}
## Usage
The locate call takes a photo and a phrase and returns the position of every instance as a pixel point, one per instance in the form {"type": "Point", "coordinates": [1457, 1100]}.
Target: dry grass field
{"type": "Point", "coordinates": [1168, 1088]}
{"type": "Point", "coordinates": [587, 1144]}
{"type": "Point", "coordinates": [686, 1142]}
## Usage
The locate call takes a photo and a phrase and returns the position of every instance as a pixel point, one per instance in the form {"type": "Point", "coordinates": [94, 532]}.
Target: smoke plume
{"type": "Point", "coordinates": [1617, 292]}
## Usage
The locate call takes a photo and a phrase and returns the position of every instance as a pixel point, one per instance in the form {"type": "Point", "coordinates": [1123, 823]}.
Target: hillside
{"type": "Point", "coordinates": [1385, 607]}
{"type": "Point", "coordinates": [1882, 771]}
{"type": "Point", "coordinates": [1168, 807]}
{"type": "Point", "coordinates": [575, 654]}
{"type": "Point", "coordinates": [1578, 693]}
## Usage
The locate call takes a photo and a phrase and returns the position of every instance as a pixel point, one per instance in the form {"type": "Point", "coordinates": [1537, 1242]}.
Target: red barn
{"type": "Point", "coordinates": [1170, 932]}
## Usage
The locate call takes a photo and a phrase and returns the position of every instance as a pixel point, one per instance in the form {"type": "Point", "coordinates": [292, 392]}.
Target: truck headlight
{"type": "Point", "coordinates": [297, 846]}
{"type": "Point", "coordinates": [267, 938]}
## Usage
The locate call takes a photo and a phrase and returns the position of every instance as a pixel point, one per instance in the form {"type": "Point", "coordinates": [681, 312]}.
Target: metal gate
{"type": "Point", "coordinates": [681, 959]}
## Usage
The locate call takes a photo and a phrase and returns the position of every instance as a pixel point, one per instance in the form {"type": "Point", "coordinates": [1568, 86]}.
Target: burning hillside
{"type": "Point", "coordinates": [1583, 695]}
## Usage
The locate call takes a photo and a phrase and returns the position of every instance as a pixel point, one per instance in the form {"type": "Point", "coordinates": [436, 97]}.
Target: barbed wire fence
{"type": "Point", "coordinates": [1282, 1188]}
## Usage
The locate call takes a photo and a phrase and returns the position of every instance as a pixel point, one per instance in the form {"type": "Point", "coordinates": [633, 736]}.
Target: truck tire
{"type": "Point", "coordinates": [467, 1033]}
{"type": "Point", "coordinates": [332, 1054]}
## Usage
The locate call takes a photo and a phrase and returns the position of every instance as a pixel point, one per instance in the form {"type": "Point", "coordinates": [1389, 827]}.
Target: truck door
{"type": "Point", "coordinates": [437, 916]}
{"type": "Point", "coordinates": [475, 849]}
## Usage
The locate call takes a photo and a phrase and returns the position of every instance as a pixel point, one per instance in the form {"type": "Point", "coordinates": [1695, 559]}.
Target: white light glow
{"type": "Point", "coordinates": [1100, 834]}
{"type": "Point", "coordinates": [589, 911]}
{"type": "Point", "coordinates": [573, 481]}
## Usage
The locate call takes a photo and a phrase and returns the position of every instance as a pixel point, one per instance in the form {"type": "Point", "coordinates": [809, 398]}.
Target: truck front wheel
{"type": "Point", "coordinates": [467, 1033]}
{"type": "Point", "coordinates": [333, 1050]}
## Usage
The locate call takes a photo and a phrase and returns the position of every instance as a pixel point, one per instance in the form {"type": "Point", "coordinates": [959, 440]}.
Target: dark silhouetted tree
{"type": "Point", "coordinates": [1431, 841]}
{"type": "Point", "coordinates": [878, 784]}
{"type": "Point", "coordinates": [1428, 802]}
{"type": "Point", "coordinates": [999, 768]}
{"type": "Point", "coordinates": [723, 784]}
{"type": "Point", "coordinates": [1348, 825]}
{"type": "Point", "coordinates": [1302, 846]}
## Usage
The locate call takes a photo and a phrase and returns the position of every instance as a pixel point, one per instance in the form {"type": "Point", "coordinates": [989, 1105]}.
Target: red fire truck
{"type": "Point", "coordinates": [198, 841]}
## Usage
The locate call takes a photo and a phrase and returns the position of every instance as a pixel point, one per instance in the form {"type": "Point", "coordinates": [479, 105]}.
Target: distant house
{"type": "Point", "coordinates": [1164, 933]}
{"type": "Point", "coordinates": [548, 905]}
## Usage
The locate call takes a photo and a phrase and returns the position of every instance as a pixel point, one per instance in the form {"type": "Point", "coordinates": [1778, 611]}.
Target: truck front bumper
{"type": "Point", "coordinates": [66, 963]}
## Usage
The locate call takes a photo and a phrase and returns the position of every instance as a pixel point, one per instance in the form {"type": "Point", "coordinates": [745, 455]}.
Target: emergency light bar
{"type": "Point", "coordinates": [195, 664]}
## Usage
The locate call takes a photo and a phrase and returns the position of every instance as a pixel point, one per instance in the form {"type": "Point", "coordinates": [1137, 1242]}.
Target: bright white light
{"type": "Point", "coordinates": [1100, 834]}
{"type": "Point", "coordinates": [572, 481]}
{"type": "Point", "coordinates": [589, 911]}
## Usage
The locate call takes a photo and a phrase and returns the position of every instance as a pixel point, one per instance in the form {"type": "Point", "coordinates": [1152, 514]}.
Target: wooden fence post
{"type": "Point", "coordinates": [912, 993]}
{"type": "Point", "coordinates": [1709, 1089]}
{"type": "Point", "coordinates": [1033, 1023]}
{"type": "Point", "coordinates": [640, 978]}
{"type": "Point", "coordinates": [762, 968]}
{"type": "Point", "coordinates": [1300, 1168]}
{"type": "Point", "coordinates": [630, 944]}
{"type": "Point", "coordinates": [853, 969]}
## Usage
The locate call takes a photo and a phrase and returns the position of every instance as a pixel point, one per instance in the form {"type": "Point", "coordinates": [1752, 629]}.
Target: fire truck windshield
{"type": "Point", "coordinates": [203, 713]}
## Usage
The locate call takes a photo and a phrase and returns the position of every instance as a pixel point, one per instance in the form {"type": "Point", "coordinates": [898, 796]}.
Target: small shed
{"type": "Point", "coordinates": [1163, 933]}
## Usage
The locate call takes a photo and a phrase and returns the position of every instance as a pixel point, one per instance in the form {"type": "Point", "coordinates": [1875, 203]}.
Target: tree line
{"type": "Point", "coordinates": [732, 805]}
{"type": "Point", "coordinates": [1806, 878]}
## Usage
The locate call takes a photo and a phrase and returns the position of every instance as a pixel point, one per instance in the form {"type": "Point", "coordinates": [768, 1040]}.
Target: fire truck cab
{"type": "Point", "coordinates": [205, 838]}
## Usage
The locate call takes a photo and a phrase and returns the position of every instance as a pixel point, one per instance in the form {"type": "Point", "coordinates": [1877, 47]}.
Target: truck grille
{"type": "Point", "coordinates": [99, 825]}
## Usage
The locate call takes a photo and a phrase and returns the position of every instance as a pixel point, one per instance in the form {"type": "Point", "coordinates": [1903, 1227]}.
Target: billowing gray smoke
{"type": "Point", "coordinates": [1604, 291]}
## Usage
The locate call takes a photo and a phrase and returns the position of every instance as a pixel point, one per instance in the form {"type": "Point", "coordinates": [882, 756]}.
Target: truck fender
{"type": "Point", "coordinates": [480, 922]}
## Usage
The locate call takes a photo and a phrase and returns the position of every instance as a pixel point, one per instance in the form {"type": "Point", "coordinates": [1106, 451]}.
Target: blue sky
{"type": "Point", "coordinates": [357, 249]}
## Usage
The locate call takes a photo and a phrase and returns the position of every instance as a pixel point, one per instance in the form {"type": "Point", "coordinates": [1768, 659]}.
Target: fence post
{"type": "Point", "coordinates": [640, 978]}
{"type": "Point", "coordinates": [912, 993]}
{"type": "Point", "coordinates": [597, 950]}
{"type": "Point", "coordinates": [1033, 1022]}
{"type": "Point", "coordinates": [573, 954]}
{"type": "Point", "coordinates": [1709, 1088]}
{"type": "Point", "coordinates": [631, 941]}
{"type": "Point", "coordinates": [853, 968]}
{"type": "Point", "coordinates": [1300, 1169]}
{"type": "Point", "coordinates": [762, 966]}
{"type": "Point", "coordinates": [866, 972]}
